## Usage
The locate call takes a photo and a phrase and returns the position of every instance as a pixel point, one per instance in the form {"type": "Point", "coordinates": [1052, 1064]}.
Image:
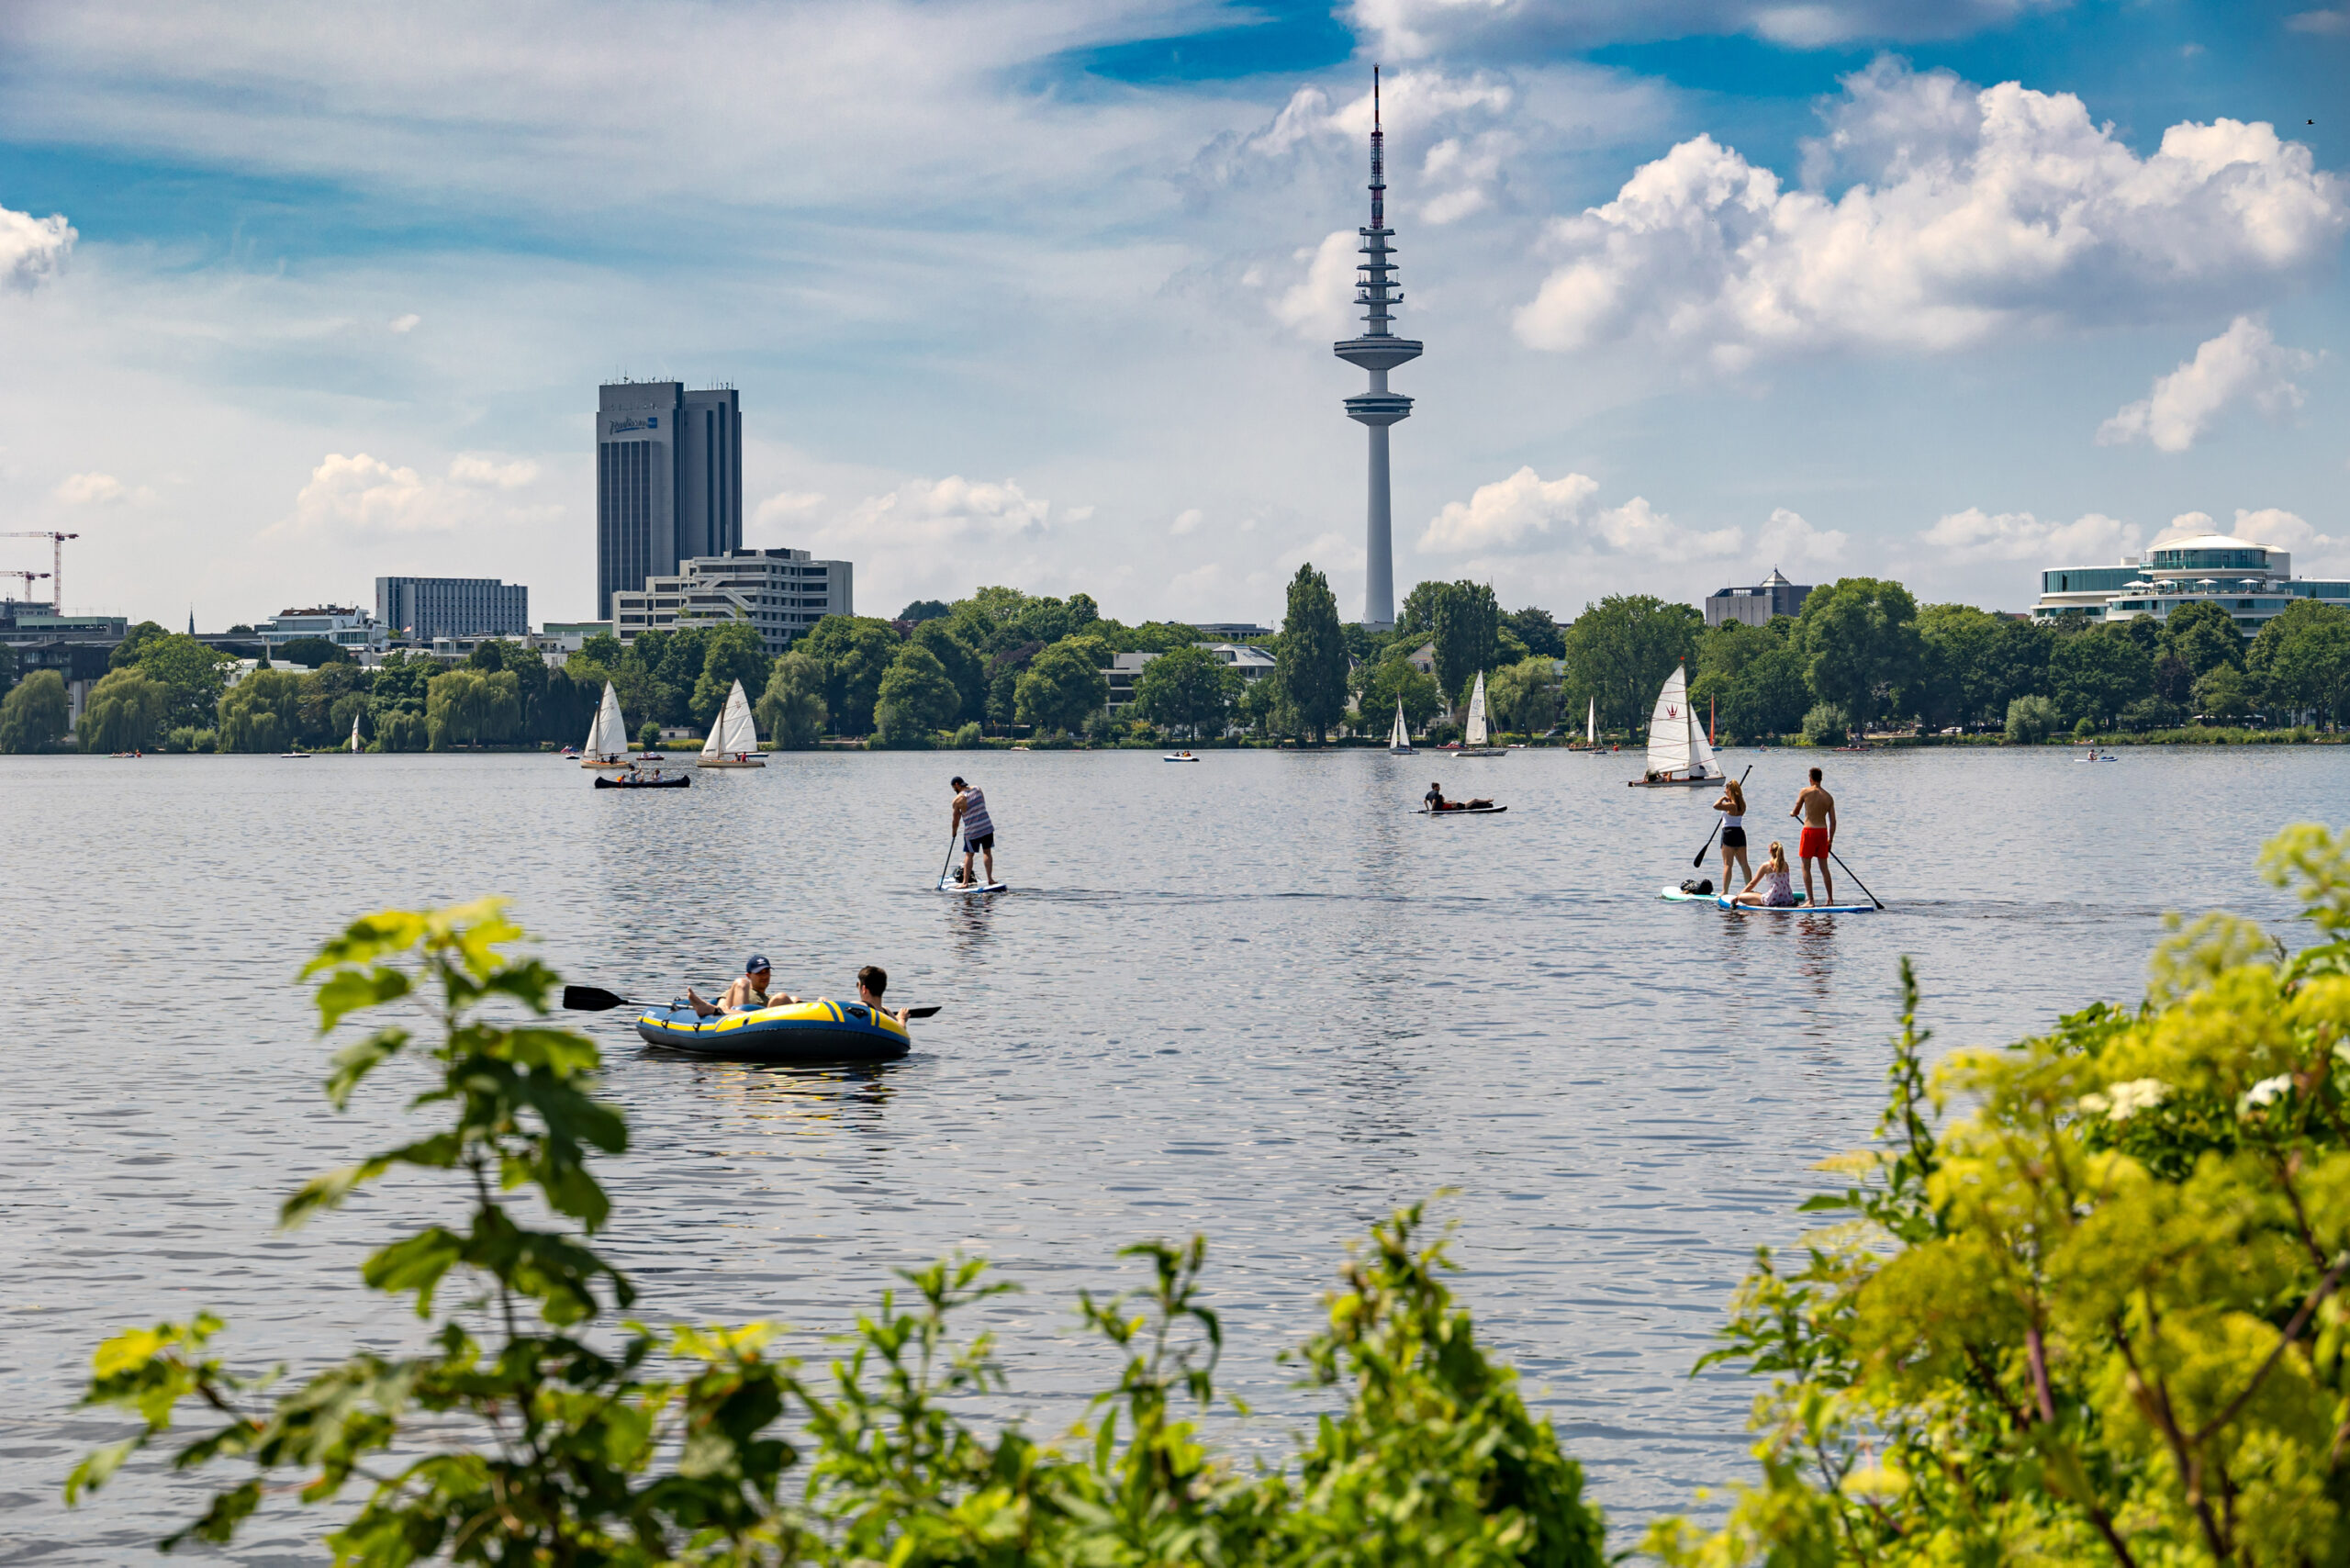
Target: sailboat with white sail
{"type": "Point", "coordinates": [734, 740]}
{"type": "Point", "coordinates": [1400, 742]}
{"type": "Point", "coordinates": [1478, 740]}
{"type": "Point", "coordinates": [1591, 726]}
{"type": "Point", "coordinates": [1679, 753]}
{"type": "Point", "coordinates": [354, 734]}
{"type": "Point", "coordinates": [607, 737]}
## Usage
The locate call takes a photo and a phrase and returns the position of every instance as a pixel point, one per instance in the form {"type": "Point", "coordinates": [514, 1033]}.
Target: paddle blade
{"type": "Point", "coordinates": [592, 999]}
{"type": "Point", "coordinates": [920, 1012]}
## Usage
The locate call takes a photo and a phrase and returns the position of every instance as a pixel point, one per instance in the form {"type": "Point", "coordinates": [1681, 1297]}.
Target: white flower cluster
{"type": "Point", "coordinates": [2267, 1091]}
{"type": "Point", "coordinates": [2126, 1100]}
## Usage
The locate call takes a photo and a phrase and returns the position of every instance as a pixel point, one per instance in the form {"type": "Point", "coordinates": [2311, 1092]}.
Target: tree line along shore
{"type": "Point", "coordinates": [1862, 658]}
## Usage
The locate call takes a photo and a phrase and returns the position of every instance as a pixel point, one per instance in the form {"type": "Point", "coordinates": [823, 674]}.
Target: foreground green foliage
{"type": "Point", "coordinates": [531, 1432]}
{"type": "Point", "coordinates": [2097, 1316]}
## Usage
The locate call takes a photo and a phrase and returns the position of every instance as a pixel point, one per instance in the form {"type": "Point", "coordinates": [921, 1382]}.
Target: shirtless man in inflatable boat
{"type": "Point", "coordinates": [747, 994]}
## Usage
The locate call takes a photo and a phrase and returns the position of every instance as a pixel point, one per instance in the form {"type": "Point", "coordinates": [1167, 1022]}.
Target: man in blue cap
{"type": "Point", "coordinates": [747, 994]}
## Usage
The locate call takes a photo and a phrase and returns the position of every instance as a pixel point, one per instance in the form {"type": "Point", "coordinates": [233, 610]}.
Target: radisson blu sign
{"type": "Point", "coordinates": [650, 423]}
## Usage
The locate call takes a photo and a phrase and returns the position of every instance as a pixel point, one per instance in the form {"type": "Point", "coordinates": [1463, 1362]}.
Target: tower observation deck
{"type": "Point", "coordinates": [1378, 350]}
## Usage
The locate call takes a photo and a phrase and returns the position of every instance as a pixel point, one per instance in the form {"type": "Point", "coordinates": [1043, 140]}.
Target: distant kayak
{"type": "Point", "coordinates": [1463, 811]}
{"type": "Point", "coordinates": [805, 1031]}
{"type": "Point", "coordinates": [1798, 907]}
{"type": "Point", "coordinates": [679, 782]}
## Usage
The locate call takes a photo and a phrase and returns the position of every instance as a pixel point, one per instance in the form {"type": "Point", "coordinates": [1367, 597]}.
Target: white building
{"type": "Point", "coordinates": [781, 592]}
{"type": "Point", "coordinates": [354, 630]}
{"type": "Point", "coordinates": [2253, 582]}
{"type": "Point", "coordinates": [1253, 663]}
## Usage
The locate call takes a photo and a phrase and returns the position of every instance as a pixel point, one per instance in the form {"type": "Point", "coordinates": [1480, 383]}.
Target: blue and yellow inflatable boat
{"type": "Point", "coordinates": [803, 1031]}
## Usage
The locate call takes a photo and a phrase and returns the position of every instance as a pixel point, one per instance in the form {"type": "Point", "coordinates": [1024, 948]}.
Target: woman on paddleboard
{"type": "Point", "coordinates": [1732, 805]}
{"type": "Point", "coordinates": [978, 830]}
{"type": "Point", "coordinates": [1779, 892]}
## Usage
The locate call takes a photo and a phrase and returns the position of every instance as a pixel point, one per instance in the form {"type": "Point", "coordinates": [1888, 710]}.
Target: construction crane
{"type": "Point", "coordinates": [29, 578]}
{"type": "Point", "coordinates": [56, 574]}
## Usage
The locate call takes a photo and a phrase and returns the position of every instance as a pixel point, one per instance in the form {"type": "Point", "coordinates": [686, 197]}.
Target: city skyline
{"type": "Point", "coordinates": [1949, 296]}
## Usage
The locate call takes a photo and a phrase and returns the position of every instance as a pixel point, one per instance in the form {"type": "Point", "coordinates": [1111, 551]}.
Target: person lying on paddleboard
{"type": "Point", "coordinates": [747, 994]}
{"type": "Point", "coordinates": [1732, 805]}
{"type": "Point", "coordinates": [1779, 892]}
{"type": "Point", "coordinates": [1816, 807]}
{"type": "Point", "coordinates": [1436, 802]}
{"type": "Point", "coordinates": [971, 821]}
{"type": "Point", "coordinates": [871, 981]}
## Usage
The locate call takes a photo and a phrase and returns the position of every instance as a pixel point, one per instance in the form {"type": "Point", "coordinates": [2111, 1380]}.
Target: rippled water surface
{"type": "Point", "coordinates": [1254, 997]}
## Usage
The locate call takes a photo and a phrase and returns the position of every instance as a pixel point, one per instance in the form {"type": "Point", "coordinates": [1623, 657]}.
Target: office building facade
{"type": "Point", "coordinates": [418, 609]}
{"type": "Point", "coordinates": [1756, 606]}
{"type": "Point", "coordinates": [780, 592]}
{"type": "Point", "coordinates": [347, 626]}
{"type": "Point", "coordinates": [2252, 581]}
{"type": "Point", "coordinates": [668, 481]}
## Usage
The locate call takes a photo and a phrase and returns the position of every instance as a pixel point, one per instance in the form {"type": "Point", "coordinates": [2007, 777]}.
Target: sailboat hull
{"type": "Point", "coordinates": [1671, 783]}
{"type": "Point", "coordinates": [730, 762]}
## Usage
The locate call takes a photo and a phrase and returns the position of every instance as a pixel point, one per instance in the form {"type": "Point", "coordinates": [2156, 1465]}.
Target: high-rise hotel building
{"type": "Point", "coordinates": [668, 481]}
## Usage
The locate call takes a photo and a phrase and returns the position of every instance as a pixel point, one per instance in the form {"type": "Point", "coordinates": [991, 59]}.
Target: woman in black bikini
{"type": "Point", "coordinates": [1732, 805]}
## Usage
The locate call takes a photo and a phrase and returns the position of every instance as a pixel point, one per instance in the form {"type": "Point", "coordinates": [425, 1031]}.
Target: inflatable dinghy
{"type": "Point", "coordinates": [816, 1031]}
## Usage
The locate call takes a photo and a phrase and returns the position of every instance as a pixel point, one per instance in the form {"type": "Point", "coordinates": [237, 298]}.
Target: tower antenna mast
{"type": "Point", "coordinates": [1378, 350]}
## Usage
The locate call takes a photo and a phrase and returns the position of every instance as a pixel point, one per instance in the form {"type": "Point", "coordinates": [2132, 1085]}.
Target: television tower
{"type": "Point", "coordinates": [1378, 350]}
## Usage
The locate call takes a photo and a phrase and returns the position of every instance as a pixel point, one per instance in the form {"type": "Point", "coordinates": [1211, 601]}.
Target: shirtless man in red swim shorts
{"type": "Point", "coordinates": [1816, 807]}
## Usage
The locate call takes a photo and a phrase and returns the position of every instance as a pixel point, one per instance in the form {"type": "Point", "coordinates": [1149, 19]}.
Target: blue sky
{"type": "Point", "coordinates": [1941, 289]}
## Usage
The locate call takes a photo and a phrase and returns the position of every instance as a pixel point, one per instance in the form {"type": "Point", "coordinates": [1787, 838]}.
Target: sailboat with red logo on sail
{"type": "Point", "coordinates": [1679, 753]}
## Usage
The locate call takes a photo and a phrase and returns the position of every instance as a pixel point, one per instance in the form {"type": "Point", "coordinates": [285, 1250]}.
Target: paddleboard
{"type": "Point", "coordinates": [1464, 811]}
{"type": "Point", "coordinates": [1798, 907]}
{"type": "Point", "coordinates": [973, 887]}
{"type": "Point", "coordinates": [1674, 895]}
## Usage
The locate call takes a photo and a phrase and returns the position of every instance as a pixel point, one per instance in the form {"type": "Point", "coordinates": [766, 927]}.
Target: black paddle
{"type": "Point", "coordinates": [1699, 858]}
{"type": "Point", "coordinates": [595, 999]}
{"type": "Point", "coordinates": [1856, 881]}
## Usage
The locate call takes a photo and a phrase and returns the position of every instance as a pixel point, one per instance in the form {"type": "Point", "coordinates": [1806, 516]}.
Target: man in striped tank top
{"type": "Point", "coordinates": [971, 821]}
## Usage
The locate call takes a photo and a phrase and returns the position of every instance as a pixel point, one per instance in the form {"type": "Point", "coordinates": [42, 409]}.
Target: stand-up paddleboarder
{"type": "Point", "coordinates": [971, 821]}
{"type": "Point", "coordinates": [1816, 807]}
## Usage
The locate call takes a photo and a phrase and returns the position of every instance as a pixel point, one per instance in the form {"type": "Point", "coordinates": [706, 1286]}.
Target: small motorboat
{"type": "Point", "coordinates": [1179, 757]}
{"type": "Point", "coordinates": [639, 782]}
{"type": "Point", "coordinates": [816, 1031]}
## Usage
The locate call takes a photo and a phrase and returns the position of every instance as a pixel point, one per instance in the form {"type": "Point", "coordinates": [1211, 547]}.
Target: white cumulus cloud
{"type": "Point", "coordinates": [361, 496]}
{"type": "Point", "coordinates": [1972, 212]}
{"type": "Point", "coordinates": [1189, 519]}
{"type": "Point", "coordinates": [1787, 538]}
{"type": "Point", "coordinates": [33, 250]}
{"type": "Point", "coordinates": [403, 324]}
{"type": "Point", "coordinates": [2334, 22]}
{"type": "Point", "coordinates": [89, 489]}
{"type": "Point", "coordinates": [1977, 535]}
{"type": "Point", "coordinates": [1411, 29]}
{"type": "Point", "coordinates": [931, 513]}
{"type": "Point", "coordinates": [1316, 305]}
{"type": "Point", "coordinates": [2243, 362]}
{"type": "Point", "coordinates": [1526, 511]}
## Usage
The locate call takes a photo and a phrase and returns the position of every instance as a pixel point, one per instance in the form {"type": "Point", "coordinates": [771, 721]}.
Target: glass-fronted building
{"type": "Point", "coordinates": [668, 480]}
{"type": "Point", "coordinates": [421, 609]}
{"type": "Point", "coordinates": [2253, 582]}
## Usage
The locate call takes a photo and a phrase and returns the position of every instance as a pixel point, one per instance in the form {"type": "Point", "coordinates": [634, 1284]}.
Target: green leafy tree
{"type": "Point", "coordinates": [2098, 673]}
{"type": "Point", "coordinates": [33, 714]}
{"type": "Point", "coordinates": [648, 735]}
{"type": "Point", "coordinates": [2031, 720]}
{"type": "Point", "coordinates": [2302, 655]}
{"type": "Point", "coordinates": [1826, 724]}
{"type": "Point", "coordinates": [791, 709]}
{"type": "Point", "coordinates": [134, 642]}
{"type": "Point", "coordinates": [310, 652]}
{"type": "Point", "coordinates": [856, 651]}
{"type": "Point", "coordinates": [926, 609]}
{"type": "Point", "coordinates": [1465, 625]}
{"type": "Point", "coordinates": [1859, 637]}
{"type": "Point", "coordinates": [1061, 687]}
{"type": "Point", "coordinates": [465, 707]}
{"type": "Point", "coordinates": [2203, 636]}
{"type": "Point", "coordinates": [961, 661]}
{"type": "Point", "coordinates": [1188, 690]}
{"type": "Point", "coordinates": [1524, 695]}
{"type": "Point", "coordinates": [2093, 1314]}
{"type": "Point", "coordinates": [1313, 654]}
{"type": "Point", "coordinates": [193, 673]}
{"type": "Point", "coordinates": [1393, 680]}
{"type": "Point", "coordinates": [125, 711]}
{"type": "Point", "coordinates": [602, 649]}
{"type": "Point", "coordinates": [8, 668]}
{"type": "Point", "coordinates": [1541, 635]}
{"type": "Point", "coordinates": [261, 712]}
{"type": "Point", "coordinates": [730, 653]}
{"type": "Point", "coordinates": [1767, 697]}
{"type": "Point", "coordinates": [1621, 649]}
{"type": "Point", "coordinates": [916, 698]}
{"type": "Point", "coordinates": [1416, 618]}
{"type": "Point", "coordinates": [2226, 692]}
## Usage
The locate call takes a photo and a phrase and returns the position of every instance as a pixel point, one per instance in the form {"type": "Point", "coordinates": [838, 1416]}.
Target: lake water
{"type": "Point", "coordinates": [1255, 997]}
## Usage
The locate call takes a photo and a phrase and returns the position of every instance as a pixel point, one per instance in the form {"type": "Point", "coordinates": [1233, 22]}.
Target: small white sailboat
{"type": "Point", "coordinates": [607, 737]}
{"type": "Point", "coordinates": [1478, 740]}
{"type": "Point", "coordinates": [354, 734]}
{"type": "Point", "coordinates": [1591, 724]}
{"type": "Point", "coordinates": [1679, 753]}
{"type": "Point", "coordinates": [734, 740]}
{"type": "Point", "coordinates": [1400, 742]}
